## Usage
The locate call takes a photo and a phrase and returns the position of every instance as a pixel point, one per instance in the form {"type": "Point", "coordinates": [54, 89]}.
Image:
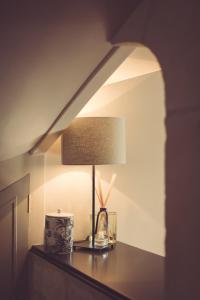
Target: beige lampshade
{"type": "Point", "coordinates": [94, 141]}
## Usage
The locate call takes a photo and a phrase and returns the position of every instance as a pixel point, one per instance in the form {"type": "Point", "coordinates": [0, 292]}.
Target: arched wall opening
{"type": "Point", "coordinates": [134, 91]}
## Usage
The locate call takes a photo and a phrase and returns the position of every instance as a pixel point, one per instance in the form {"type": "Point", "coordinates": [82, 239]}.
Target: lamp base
{"type": "Point", "coordinates": [87, 246]}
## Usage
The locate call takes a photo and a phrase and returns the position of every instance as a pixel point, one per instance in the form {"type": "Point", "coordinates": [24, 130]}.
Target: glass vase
{"type": "Point", "coordinates": [112, 227]}
{"type": "Point", "coordinates": [101, 228]}
{"type": "Point", "coordinates": [106, 231]}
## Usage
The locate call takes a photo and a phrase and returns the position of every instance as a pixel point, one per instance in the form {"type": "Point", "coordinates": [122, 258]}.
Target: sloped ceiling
{"type": "Point", "coordinates": [48, 49]}
{"type": "Point", "coordinates": [128, 75]}
{"type": "Point", "coordinates": [140, 62]}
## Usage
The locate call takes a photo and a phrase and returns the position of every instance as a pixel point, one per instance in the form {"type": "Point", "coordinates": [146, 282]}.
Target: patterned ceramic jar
{"type": "Point", "coordinates": [59, 232]}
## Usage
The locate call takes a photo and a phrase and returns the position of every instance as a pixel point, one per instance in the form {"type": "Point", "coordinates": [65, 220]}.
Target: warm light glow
{"type": "Point", "coordinates": [140, 62]}
{"type": "Point", "coordinates": [127, 76]}
{"type": "Point", "coordinates": [68, 179]}
{"type": "Point", "coordinates": [71, 192]}
{"type": "Point", "coordinates": [107, 95]}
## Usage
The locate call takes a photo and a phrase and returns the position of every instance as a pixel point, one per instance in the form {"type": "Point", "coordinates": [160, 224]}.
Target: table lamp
{"type": "Point", "coordinates": [94, 141]}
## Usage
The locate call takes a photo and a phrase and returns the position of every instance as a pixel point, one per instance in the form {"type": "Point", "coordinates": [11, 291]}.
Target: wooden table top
{"type": "Point", "coordinates": [125, 272]}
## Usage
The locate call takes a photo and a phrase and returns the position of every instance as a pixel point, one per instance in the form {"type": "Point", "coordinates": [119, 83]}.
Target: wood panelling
{"type": "Point", "coordinates": [14, 239]}
{"type": "Point", "coordinates": [7, 261]}
{"type": "Point", "coordinates": [47, 282]}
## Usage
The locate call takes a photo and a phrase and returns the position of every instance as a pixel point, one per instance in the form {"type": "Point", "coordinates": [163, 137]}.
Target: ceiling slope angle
{"type": "Point", "coordinates": [127, 76]}
{"type": "Point", "coordinates": [140, 62]}
{"type": "Point", "coordinates": [48, 52]}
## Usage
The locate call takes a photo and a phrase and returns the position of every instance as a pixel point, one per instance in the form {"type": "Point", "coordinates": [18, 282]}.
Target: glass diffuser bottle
{"type": "Point", "coordinates": [101, 230]}
{"type": "Point", "coordinates": [102, 218]}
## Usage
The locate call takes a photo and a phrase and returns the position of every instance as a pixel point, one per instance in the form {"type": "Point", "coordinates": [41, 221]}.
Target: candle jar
{"type": "Point", "coordinates": [101, 229]}
{"type": "Point", "coordinates": [59, 232]}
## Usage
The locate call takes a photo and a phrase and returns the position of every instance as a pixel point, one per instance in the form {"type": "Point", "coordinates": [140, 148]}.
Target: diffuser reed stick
{"type": "Point", "coordinates": [100, 199]}
{"type": "Point", "coordinates": [110, 189]}
{"type": "Point", "coordinates": [103, 201]}
{"type": "Point", "coordinates": [100, 190]}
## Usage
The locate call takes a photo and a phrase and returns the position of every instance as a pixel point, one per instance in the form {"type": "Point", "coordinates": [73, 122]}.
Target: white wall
{"type": "Point", "coordinates": [138, 196]}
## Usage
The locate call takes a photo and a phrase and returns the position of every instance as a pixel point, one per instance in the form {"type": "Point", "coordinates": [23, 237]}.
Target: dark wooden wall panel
{"type": "Point", "coordinates": [6, 249]}
{"type": "Point", "coordinates": [13, 239]}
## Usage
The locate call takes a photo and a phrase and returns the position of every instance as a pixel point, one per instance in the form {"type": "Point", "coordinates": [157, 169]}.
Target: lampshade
{"type": "Point", "coordinates": [94, 141]}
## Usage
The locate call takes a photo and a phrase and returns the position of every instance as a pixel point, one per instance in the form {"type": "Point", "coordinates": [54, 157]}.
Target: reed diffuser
{"type": "Point", "coordinates": [101, 228]}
